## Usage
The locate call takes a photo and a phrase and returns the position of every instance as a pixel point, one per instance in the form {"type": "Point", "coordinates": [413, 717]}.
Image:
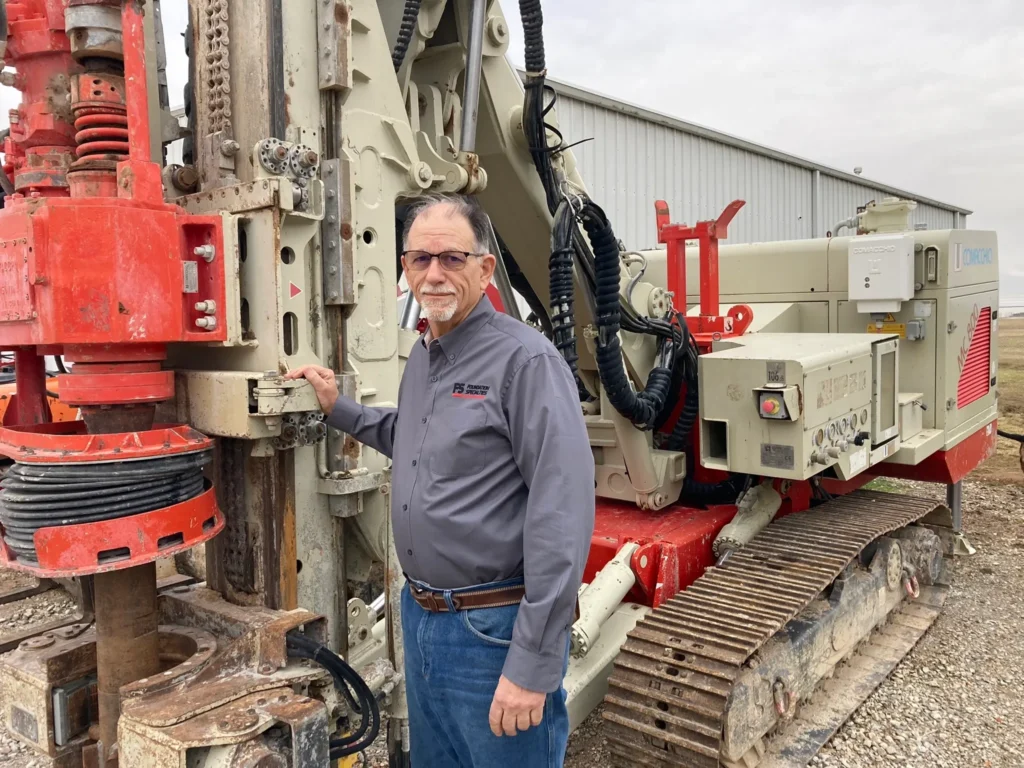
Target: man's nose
{"type": "Point", "coordinates": [435, 273]}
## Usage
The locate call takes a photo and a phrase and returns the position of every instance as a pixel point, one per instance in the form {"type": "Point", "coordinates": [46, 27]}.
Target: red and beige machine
{"type": "Point", "coordinates": [735, 564]}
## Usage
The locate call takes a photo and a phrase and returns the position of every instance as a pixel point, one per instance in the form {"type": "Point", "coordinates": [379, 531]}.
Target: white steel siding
{"type": "Point", "coordinates": [631, 157]}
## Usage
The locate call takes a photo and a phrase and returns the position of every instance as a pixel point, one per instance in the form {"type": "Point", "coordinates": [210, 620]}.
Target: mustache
{"type": "Point", "coordinates": [438, 290]}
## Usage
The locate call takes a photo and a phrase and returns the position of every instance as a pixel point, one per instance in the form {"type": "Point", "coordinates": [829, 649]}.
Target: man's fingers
{"type": "Point", "coordinates": [523, 721]}
{"type": "Point", "coordinates": [495, 719]}
{"type": "Point", "coordinates": [508, 723]}
{"type": "Point", "coordinates": [536, 715]}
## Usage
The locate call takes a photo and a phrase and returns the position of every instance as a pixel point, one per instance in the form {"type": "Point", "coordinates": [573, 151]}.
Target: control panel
{"type": "Point", "coordinates": [799, 404]}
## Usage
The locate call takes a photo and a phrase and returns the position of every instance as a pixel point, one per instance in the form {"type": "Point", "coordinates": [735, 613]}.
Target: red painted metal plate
{"type": "Point", "coordinates": [76, 550]}
{"type": "Point", "coordinates": [68, 443]}
{"type": "Point", "coordinates": [950, 466]}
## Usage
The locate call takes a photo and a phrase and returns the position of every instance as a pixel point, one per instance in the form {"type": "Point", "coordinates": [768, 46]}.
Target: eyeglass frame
{"type": "Point", "coordinates": [438, 256]}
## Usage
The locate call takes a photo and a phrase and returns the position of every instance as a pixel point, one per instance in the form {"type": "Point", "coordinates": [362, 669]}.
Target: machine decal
{"type": "Point", "coordinates": [470, 391]}
{"type": "Point", "coordinates": [974, 360]}
{"type": "Point", "coordinates": [293, 290]}
{"type": "Point", "coordinates": [777, 456]}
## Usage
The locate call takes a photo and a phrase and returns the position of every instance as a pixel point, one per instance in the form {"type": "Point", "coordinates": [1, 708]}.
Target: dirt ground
{"type": "Point", "coordinates": [956, 700]}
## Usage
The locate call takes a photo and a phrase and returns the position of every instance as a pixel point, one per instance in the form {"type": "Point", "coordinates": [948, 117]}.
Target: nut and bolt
{"type": "Point", "coordinates": [230, 148]}
{"type": "Point", "coordinates": [207, 323]}
{"type": "Point", "coordinates": [280, 153]}
{"type": "Point", "coordinates": [308, 159]}
{"type": "Point", "coordinates": [950, 326]}
{"type": "Point", "coordinates": [424, 172]}
{"type": "Point", "coordinates": [205, 252]}
{"type": "Point", "coordinates": [497, 30]}
{"type": "Point", "coordinates": [209, 306]}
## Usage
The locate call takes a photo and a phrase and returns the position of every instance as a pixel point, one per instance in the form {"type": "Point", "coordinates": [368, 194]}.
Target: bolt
{"type": "Point", "coordinates": [209, 323]}
{"type": "Point", "coordinates": [950, 326]}
{"type": "Point", "coordinates": [205, 252]}
{"type": "Point", "coordinates": [309, 159]}
{"type": "Point", "coordinates": [229, 147]}
{"type": "Point", "coordinates": [332, 271]}
{"type": "Point", "coordinates": [267, 669]}
{"type": "Point", "coordinates": [424, 172]}
{"type": "Point", "coordinates": [280, 152]}
{"type": "Point", "coordinates": [209, 306]}
{"type": "Point", "coordinates": [334, 295]}
{"type": "Point", "coordinates": [497, 30]}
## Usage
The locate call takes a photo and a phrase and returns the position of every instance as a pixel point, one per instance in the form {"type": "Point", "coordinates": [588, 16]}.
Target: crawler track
{"type": "Point", "coordinates": [670, 689]}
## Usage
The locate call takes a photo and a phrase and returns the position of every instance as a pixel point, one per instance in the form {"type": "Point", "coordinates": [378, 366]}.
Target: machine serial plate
{"type": "Point", "coordinates": [778, 456]}
{"type": "Point", "coordinates": [15, 298]}
{"type": "Point", "coordinates": [25, 723]}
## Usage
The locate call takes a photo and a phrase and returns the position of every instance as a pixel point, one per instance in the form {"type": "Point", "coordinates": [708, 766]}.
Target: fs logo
{"type": "Point", "coordinates": [470, 391]}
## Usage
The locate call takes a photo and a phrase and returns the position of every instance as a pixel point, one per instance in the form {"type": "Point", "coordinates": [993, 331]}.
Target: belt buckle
{"type": "Point", "coordinates": [433, 603]}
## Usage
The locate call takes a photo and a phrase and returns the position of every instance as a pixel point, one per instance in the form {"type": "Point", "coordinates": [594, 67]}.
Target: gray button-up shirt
{"type": "Point", "coordinates": [492, 476]}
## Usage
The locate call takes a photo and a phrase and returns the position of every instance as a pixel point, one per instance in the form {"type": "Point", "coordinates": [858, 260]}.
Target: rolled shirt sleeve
{"type": "Point", "coordinates": [374, 427]}
{"type": "Point", "coordinates": [551, 448]}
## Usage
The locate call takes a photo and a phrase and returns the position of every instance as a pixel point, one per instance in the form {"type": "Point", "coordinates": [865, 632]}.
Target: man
{"type": "Point", "coordinates": [492, 506]}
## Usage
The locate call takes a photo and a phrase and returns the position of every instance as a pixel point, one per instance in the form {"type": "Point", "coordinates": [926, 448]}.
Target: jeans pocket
{"type": "Point", "coordinates": [492, 625]}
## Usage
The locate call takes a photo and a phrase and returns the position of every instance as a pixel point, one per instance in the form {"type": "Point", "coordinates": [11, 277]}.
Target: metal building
{"type": "Point", "coordinates": [636, 156]}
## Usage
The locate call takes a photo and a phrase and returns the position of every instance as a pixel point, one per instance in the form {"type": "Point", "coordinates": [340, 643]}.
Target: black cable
{"type": "Point", "coordinates": [59, 360]}
{"type": "Point", "coordinates": [409, 17]}
{"type": "Point", "coordinates": [1010, 436]}
{"type": "Point", "coordinates": [36, 496]}
{"type": "Point", "coordinates": [348, 681]}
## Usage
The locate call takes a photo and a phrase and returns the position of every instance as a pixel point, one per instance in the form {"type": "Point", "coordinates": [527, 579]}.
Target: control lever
{"type": "Point", "coordinates": [861, 437]}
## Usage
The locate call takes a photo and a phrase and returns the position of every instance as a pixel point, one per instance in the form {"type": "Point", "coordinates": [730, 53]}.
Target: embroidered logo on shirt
{"type": "Point", "coordinates": [470, 391]}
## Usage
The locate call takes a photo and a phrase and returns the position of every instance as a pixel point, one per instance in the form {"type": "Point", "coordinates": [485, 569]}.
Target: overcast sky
{"type": "Point", "coordinates": [927, 95]}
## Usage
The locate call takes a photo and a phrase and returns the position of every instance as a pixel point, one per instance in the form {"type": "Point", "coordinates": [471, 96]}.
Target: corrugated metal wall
{"type": "Point", "coordinates": [634, 159]}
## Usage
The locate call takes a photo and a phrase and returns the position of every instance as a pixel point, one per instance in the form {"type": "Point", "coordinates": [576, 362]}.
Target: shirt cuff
{"type": "Point", "coordinates": [537, 672]}
{"type": "Point", "coordinates": [344, 414]}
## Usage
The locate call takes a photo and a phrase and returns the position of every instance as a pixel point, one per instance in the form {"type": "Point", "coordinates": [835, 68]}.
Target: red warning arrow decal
{"type": "Point", "coordinates": [293, 290]}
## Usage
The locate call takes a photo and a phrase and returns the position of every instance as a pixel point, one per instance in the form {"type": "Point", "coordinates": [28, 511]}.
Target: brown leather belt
{"type": "Point", "coordinates": [485, 598]}
{"type": "Point", "coordinates": [498, 597]}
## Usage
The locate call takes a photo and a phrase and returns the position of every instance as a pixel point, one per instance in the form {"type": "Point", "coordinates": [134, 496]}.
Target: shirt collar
{"type": "Point", "coordinates": [453, 342]}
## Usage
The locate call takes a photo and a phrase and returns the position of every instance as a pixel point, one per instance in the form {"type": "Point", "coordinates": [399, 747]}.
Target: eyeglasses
{"type": "Point", "coordinates": [450, 261]}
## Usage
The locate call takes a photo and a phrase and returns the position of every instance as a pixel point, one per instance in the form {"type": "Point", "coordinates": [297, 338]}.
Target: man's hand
{"type": "Point", "coordinates": [323, 383]}
{"type": "Point", "coordinates": [515, 709]}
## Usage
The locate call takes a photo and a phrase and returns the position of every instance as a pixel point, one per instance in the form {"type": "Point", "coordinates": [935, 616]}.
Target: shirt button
{"type": "Point", "coordinates": [424, 419]}
{"type": "Point", "coordinates": [433, 378]}
{"type": "Point", "coordinates": [408, 551]}
{"type": "Point", "coordinates": [414, 462]}
{"type": "Point", "coordinates": [405, 507]}
{"type": "Point", "coordinates": [451, 357]}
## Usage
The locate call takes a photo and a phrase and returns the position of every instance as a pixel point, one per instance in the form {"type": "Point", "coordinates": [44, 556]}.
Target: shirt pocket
{"type": "Point", "coordinates": [457, 440]}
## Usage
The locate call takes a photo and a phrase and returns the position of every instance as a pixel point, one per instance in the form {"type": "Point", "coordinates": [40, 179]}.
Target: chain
{"type": "Point", "coordinates": [218, 74]}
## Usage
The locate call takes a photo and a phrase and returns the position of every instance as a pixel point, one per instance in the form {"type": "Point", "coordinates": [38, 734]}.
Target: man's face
{"type": "Point", "coordinates": [446, 295]}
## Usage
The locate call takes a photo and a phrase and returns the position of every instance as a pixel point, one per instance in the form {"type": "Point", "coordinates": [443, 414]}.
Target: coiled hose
{"type": "Point", "coordinates": [348, 681]}
{"type": "Point", "coordinates": [36, 496]}
{"type": "Point", "coordinates": [641, 408]}
{"type": "Point", "coordinates": [409, 17]}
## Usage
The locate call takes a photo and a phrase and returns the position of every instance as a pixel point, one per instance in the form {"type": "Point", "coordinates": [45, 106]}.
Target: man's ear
{"type": "Point", "coordinates": [488, 263]}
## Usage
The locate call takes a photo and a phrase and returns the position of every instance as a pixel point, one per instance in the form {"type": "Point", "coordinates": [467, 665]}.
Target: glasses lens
{"type": "Point", "coordinates": [417, 260]}
{"type": "Point", "coordinates": [452, 261]}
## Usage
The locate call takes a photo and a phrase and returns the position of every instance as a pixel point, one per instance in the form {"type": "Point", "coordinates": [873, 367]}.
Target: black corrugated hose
{"type": "Point", "coordinates": [348, 681]}
{"type": "Point", "coordinates": [36, 496]}
{"type": "Point", "coordinates": [409, 17]}
{"type": "Point", "coordinates": [1010, 436]}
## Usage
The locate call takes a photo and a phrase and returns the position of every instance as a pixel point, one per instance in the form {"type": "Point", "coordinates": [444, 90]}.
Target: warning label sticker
{"type": "Point", "coordinates": [897, 329]}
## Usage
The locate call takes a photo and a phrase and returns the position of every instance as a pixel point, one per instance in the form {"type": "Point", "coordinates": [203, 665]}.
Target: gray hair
{"type": "Point", "coordinates": [466, 206]}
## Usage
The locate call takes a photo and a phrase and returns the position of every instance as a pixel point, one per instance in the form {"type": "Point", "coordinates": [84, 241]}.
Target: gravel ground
{"type": "Point", "coordinates": [956, 700]}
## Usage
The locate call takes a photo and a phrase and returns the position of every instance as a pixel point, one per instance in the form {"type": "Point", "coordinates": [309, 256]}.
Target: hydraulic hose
{"type": "Point", "coordinates": [348, 681]}
{"type": "Point", "coordinates": [1010, 436]}
{"type": "Point", "coordinates": [642, 408]}
{"type": "Point", "coordinates": [409, 17]}
{"type": "Point", "coordinates": [36, 496]}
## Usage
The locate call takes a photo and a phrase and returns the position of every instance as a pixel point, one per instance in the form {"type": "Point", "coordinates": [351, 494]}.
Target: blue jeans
{"type": "Point", "coordinates": [452, 665]}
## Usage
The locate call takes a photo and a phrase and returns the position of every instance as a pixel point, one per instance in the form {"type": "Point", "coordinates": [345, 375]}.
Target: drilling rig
{"type": "Point", "coordinates": [743, 592]}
